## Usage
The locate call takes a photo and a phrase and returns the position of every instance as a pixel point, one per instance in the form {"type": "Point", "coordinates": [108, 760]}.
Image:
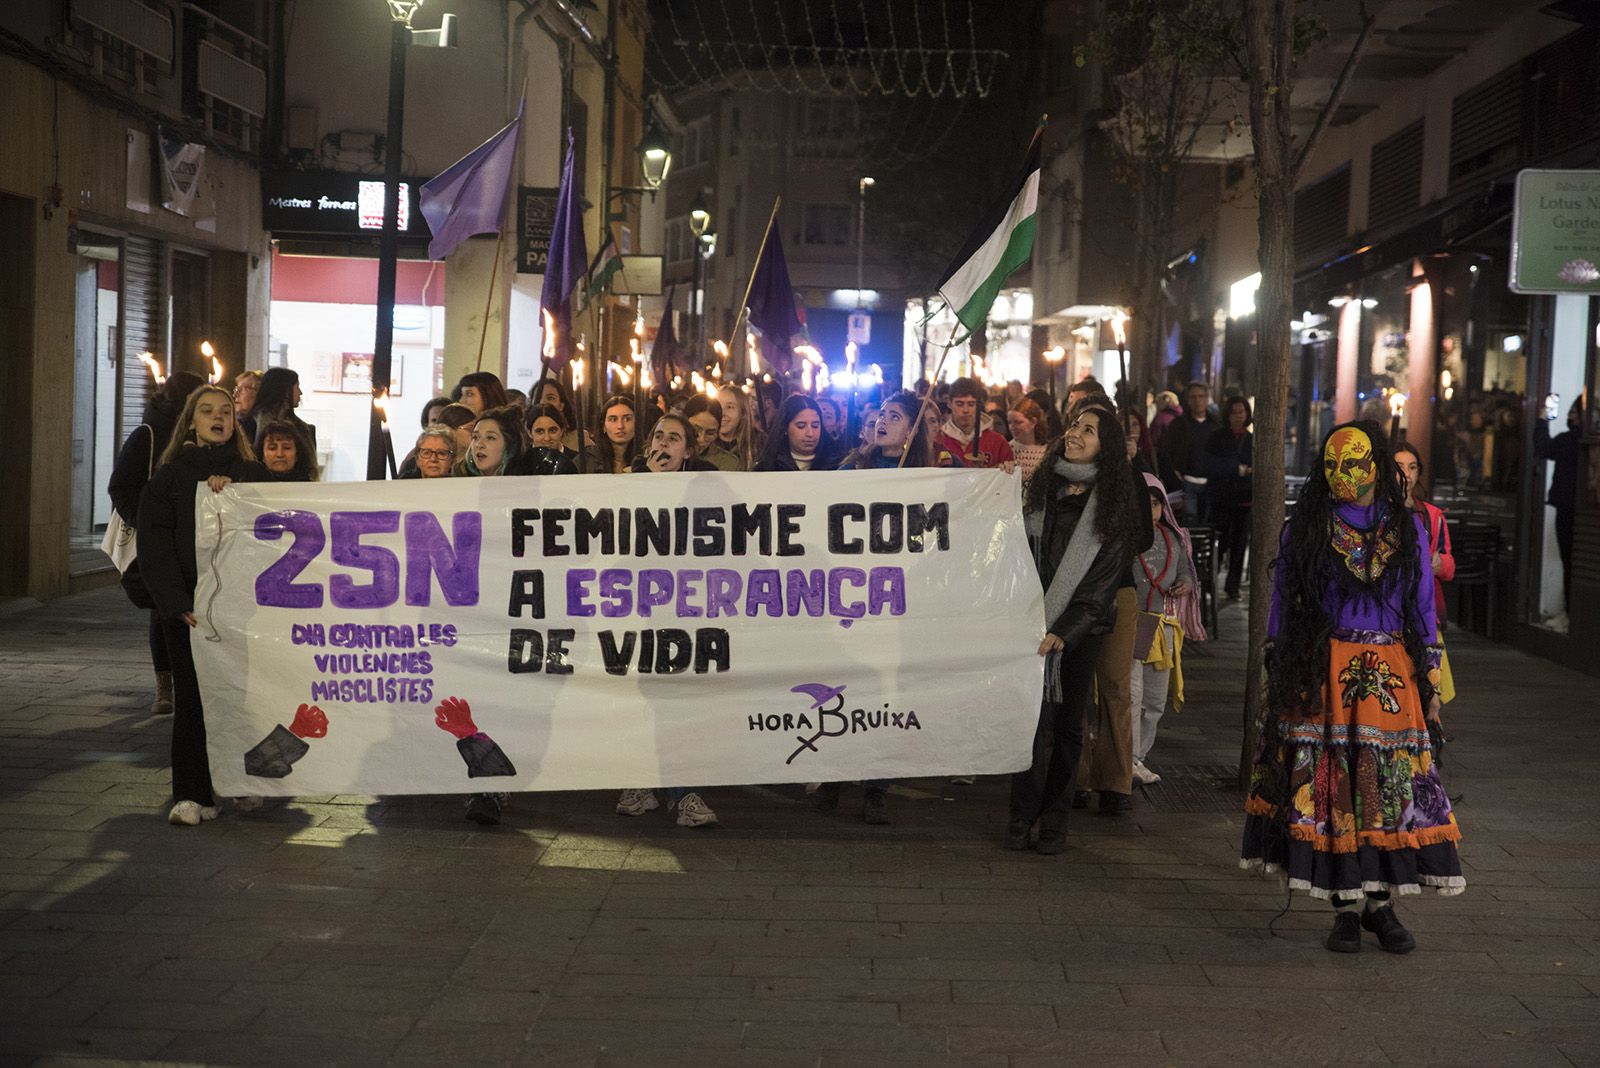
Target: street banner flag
{"type": "Point", "coordinates": [565, 265]}
{"type": "Point", "coordinates": [607, 262]}
{"type": "Point", "coordinates": [710, 628]}
{"type": "Point", "coordinates": [772, 300]}
{"type": "Point", "coordinates": [665, 353]}
{"type": "Point", "coordinates": [468, 198]}
{"type": "Point", "coordinates": [1002, 242]}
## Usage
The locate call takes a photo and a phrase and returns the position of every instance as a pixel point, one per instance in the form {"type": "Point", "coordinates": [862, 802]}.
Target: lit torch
{"type": "Point", "coordinates": [380, 404]}
{"type": "Point", "coordinates": [154, 365]}
{"type": "Point", "coordinates": [1397, 404]}
{"type": "Point", "coordinates": [209, 351]}
{"type": "Point", "coordinates": [1119, 321]}
{"type": "Point", "coordinates": [549, 335]}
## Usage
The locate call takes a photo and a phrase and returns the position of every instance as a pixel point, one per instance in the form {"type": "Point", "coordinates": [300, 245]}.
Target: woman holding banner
{"type": "Point", "coordinates": [497, 444]}
{"type": "Point", "coordinates": [207, 446]}
{"type": "Point", "coordinates": [671, 448]}
{"type": "Point", "coordinates": [618, 446]}
{"type": "Point", "coordinates": [737, 433]}
{"type": "Point", "coordinates": [1080, 514]}
{"type": "Point", "coordinates": [797, 442]}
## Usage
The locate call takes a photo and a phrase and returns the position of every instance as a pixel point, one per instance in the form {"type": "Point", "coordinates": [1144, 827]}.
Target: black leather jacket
{"type": "Point", "coordinates": [1092, 609]}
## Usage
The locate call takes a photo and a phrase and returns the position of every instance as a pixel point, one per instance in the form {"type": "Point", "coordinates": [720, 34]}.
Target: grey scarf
{"type": "Point", "coordinates": [1082, 548]}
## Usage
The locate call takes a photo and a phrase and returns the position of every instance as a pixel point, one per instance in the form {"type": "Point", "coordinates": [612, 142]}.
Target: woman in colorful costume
{"type": "Point", "coordinates": [1345, 795]}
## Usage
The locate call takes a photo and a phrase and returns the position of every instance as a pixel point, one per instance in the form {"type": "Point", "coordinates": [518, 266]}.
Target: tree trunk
{"type": "Point", "coordinates": [1269, 48]}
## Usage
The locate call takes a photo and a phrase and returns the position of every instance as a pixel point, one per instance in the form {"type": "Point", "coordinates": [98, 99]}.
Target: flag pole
{"type": "Point", "coordinates": [916, 424]}
{"type": "Point", "coordinates": [488, 300]}
{"type": "Point", "coordinates": [750, 284]}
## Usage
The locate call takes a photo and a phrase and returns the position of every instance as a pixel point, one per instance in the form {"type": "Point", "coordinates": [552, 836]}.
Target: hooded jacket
{"type": "Point", "coordinates": [134, 467]}
{"type": "Point", "coordinates": [166, 520]}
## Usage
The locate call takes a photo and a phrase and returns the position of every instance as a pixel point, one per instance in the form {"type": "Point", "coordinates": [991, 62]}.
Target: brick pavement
{"type": "Point", "coordinates": [362, 930]}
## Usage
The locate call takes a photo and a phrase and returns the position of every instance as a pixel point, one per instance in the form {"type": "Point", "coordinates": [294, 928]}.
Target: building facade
{"type": "Point", "coordinates": [130, 223]}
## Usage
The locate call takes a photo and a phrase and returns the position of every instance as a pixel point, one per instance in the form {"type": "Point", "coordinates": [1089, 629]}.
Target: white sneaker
{"type": "Point", "coordinates": [693, 812]}
{"type": "Point", "coordinates": [637, 802]}
{"type": "Point", "coordinates": [247, 804]}
{"type": "Point", "coordinates": [191, 814]}
{"type": "Point", "coordinates": [1143, 775]}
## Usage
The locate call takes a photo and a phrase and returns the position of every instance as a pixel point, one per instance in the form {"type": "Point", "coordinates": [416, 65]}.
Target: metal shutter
{"type": "Point", "coordinates": [143, 326]}
{"type": "Point", "coordinates": [1396, 186]}
{"type": "Point", "coordinates": [1321, 215]}
{"type": "Point", "coordinates": [1486, 127]}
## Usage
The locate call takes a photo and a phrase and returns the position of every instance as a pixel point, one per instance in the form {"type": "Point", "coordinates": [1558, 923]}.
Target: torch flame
{"type": "Point", "coordinates": [711, 390]}
{"type": "Point", "coordinates": [721, 349]}
{"type": "Point", "coordinates": [646, 380]}
{"type": "Point", "coordinates": [380, 401]}
{"type": "Point", "coordinates": [850, 351]}
{"type": "Point", "coordinates": [1055, 355]}
{"type": "Point", "coordinates": [549, 334]}
{"type": "Point", "coordinates": [1119, 322]}
{"type": "Point", "coordinates": [1397, 403]}
{"type": "Point", "coordinates": [577, 374]}
{"type": "Point", "coordinates": [154, 365]}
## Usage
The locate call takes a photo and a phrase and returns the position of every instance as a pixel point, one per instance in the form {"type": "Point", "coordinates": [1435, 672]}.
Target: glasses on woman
{"type": "Point", "coordinates": [434, 454]}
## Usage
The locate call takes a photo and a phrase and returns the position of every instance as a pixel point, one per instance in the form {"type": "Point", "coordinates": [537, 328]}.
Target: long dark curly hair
{"type": "Point", "coordinates": [1308, 565]}
{"type": "Point", "coordinates": [1118, 496]}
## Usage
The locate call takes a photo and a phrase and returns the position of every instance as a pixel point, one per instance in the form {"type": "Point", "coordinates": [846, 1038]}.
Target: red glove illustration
{"type": "Point", "coordinates": [455, 715]}
{"type": "Point", "coordinates": [309, 722]}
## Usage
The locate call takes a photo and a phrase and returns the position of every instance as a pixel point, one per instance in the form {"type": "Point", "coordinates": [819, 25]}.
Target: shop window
{"type": "Point", "coordinates": [825, 224]}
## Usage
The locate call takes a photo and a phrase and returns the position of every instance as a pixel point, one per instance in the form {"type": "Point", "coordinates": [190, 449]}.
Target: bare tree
{"type": "Point", "coordinates": [1172, 80]}
{"type": "Point", "coordinates": [1275, 36]}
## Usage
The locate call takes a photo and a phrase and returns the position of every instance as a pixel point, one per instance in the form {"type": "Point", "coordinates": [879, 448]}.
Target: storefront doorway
{"type": "Point", "coordinates": [96, 357]}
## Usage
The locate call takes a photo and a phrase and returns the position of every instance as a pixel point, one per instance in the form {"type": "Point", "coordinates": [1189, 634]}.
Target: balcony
{"type": "Point", "coordinates": [225, 79]}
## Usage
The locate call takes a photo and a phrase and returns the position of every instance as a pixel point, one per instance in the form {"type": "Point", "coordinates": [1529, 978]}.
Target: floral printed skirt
{"type": "Point", "coordinates": [1366, 808]}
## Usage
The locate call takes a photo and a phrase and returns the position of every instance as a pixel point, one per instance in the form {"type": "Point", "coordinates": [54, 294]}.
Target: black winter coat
{"type": "Point", "coordinates": [166, 521]}
{"type": "Point", "coordinates": [1225, 452]}
{"type": "Point", "coordinates": [134, 467]}
{"type": "Point", "coordinates": [1093, 608]}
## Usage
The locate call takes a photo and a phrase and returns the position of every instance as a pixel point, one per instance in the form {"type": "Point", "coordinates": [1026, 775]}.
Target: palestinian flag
{"type": "Point", "coordinates": [607, 262]}
{"type": "Point", "coordinates": [1000, 244]}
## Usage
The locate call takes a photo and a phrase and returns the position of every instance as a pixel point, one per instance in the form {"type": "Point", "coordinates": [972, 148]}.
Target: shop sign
{"type": "Point", "coordinates": [333, 202]}
{"type": "Point", "coordinates": [1555, 232]}
{"type": "Point", "coordinates": [536, 219]}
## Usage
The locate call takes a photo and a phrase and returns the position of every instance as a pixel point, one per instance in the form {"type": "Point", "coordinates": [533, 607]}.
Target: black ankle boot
{"type": "Point", "coordinates": [1017, 833]}
{"type": "Point", "coordinates": [1392, 934]}
{"type": "Point", "coordinates": [1346, 934]}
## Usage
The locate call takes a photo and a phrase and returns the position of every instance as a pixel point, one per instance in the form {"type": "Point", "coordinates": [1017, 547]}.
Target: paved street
{"type": "Point", "coordinates": [361, 930]}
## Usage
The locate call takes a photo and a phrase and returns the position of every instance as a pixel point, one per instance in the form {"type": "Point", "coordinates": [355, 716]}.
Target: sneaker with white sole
{"type": "Point", "coordinates": [694, 812]}
{"type": "Point", "coordinates": [637, 802]}
{"type": "Point", "coordinates": [1143, 775]}
{"type": "Point", "coordinates": [191, 814]}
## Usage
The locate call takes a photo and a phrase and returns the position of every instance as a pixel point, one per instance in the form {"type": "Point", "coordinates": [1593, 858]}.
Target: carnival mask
{"type": "Point", "coordinates": [1348, 465]}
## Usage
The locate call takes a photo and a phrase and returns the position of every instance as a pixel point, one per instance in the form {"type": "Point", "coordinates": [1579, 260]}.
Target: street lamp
{"type": "Point", "coordinates": [861, 237]}
{"type": "Point", "coordinates": [700, 227]}
{"type": "Point", "coordinates": [655, 154]}
{"type": "Point", "coordinates": [401, 37]}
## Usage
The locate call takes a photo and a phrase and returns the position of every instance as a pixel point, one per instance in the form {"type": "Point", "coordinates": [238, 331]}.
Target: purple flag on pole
{"type": "Point", "coordinates": [468, 197]}
{"type": "Point", "coordinates": [666, 353]}
{"type": "Point", "coordinates": [772, 298]}
{"type": "Point", "coordinates": [566, 264]}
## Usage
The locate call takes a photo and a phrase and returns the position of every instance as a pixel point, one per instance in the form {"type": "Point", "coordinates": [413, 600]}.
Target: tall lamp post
{"type": "Point", "coordinates": [401, 37]}
{"type": "Point", "coordinates": [861, 238]}
{"type": "Point", "coordinates": [699, 223]}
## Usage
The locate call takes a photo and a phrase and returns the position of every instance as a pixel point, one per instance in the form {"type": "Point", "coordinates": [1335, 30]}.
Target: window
{"type": "Point", "coordinates": [825, 224]}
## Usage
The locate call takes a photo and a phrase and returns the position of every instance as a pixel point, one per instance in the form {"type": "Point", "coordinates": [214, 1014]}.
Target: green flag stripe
{"type": "Point", "coordinates": [1018, 250]}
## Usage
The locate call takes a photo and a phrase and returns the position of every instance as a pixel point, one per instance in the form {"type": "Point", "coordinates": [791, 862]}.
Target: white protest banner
{"type": "Point", "coordinates": [588, 631]}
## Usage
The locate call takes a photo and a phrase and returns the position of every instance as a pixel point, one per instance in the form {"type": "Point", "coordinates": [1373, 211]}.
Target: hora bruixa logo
{"type": "Point", "coordinates": [827, 717]}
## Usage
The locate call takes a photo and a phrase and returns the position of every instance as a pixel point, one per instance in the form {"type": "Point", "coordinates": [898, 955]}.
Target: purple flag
{"type": "Point", "coordinates": [566, 264]}
{"type": "Point", "coordinates": [666, 353]}
{"type": "Point", "coordinates": [772, 299]}
{"type": "Point", "coordinates": [468, 197]}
